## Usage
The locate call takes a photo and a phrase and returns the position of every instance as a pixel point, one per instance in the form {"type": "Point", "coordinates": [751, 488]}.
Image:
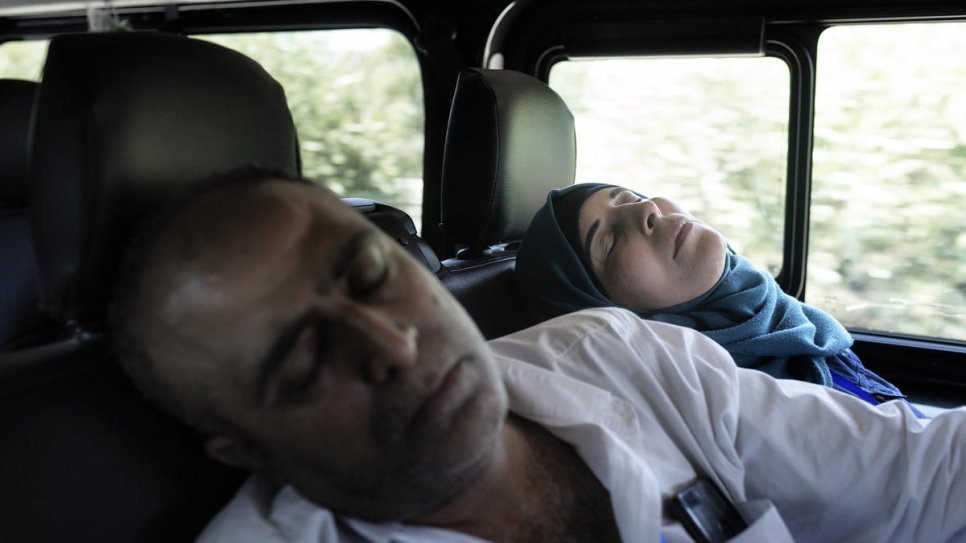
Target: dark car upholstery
{"type": "Point", "coordinates": [123, 123]}
{"type": "Point", "coordinates": [512, 135]}
{"type": "Point", "coordinates": [400, 227]}
{"type": "Point", "coordinates": [21, 321]}
{"type": "Point", "coordinates": [509, 141]}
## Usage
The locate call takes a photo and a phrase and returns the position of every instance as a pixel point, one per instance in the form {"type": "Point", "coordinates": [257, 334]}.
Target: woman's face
{"type": "Point", "coordinates": [648, 253]}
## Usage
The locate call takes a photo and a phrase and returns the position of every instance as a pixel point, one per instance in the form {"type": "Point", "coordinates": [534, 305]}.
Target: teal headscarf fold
{"type": "Point", "coordinates": [745, 312]}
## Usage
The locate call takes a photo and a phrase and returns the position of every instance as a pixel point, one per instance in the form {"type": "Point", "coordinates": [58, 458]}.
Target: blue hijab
{"type": "Point", "coordinates": [745, 311]}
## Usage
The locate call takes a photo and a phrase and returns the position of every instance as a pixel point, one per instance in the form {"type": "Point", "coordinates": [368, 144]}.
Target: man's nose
{"type": "Point", "coordinates": [379, 343]}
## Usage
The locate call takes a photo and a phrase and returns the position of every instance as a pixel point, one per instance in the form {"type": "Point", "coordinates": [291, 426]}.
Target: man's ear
{"type": "Point", "coordinates": [235, 451]}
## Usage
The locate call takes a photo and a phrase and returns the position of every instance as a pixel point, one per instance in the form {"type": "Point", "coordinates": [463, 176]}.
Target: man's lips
{"type": "Point", "coordinates": [683, 230]}
{"type": "Point", "coordinates": [440, 398]}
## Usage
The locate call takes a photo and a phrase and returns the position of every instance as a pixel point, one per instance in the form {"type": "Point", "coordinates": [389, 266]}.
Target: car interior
{"type": "Point", "coordinates": [123, 122]}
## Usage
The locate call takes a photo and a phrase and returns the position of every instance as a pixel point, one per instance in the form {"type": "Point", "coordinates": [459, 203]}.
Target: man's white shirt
{"type": "Point", "coordinates": [650, 407]}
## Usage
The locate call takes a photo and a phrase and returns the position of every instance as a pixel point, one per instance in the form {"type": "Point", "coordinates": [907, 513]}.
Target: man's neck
{"type": "Point", "coordinates": [529, 490]}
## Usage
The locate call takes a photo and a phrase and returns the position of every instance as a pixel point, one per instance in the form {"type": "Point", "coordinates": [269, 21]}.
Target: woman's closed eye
{"type": "Point", "coordinates": [614, 238]}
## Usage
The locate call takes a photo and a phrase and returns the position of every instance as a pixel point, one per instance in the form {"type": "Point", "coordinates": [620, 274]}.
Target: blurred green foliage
{"type": "Point", "coordinates": [22, 59]}
{"type": "Point", "coordinates": [888, 233]}
{"type": "Point", "coordinates": [355, 94]}
{"type": "Point", "coordinates": [357, 100]}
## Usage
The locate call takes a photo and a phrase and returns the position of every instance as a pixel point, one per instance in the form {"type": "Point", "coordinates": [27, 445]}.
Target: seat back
{"type": "Point", "coordinates": [509, 141]}
{"type": "Point", "coordinates": [21, 321]}
{"type": "Point", "coordinates": [84, 458]}
{"type": "Point", "coordinates": [478, 284]}
{"type": "Point", "coordinates": [124, 123]}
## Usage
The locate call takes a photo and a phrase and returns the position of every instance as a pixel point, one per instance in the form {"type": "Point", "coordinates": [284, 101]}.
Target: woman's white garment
{"type": "Point", "coordinates": [650, 406]}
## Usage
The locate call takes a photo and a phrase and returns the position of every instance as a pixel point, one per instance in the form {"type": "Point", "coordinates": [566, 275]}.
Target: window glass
{"type": "Point", "coordinates": [22, 59]}
{"type": "Point", "coordinates": [710, 133]}
{"type": "Point", "coordinates": [887, 245]}
{"type": "Point", "coordinates": [357, 100]}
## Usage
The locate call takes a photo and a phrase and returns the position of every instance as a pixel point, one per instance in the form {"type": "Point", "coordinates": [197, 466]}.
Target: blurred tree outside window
{"type": "Point", "coordinates": [887, 244]}
{"type": "Point", "coordinates": [357, 99]}
{"type": "Point", "coordinates": [22, 59]}
{"type": "Point", "coordinates": [709, 133]}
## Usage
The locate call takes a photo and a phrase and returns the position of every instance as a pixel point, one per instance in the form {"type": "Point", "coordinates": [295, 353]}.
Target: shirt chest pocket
{"type": "Point", "coordinates": [764, 524]}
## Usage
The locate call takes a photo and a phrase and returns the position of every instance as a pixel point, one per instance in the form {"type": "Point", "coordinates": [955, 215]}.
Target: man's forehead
{"type": "Point", "coordinates": [267, 197]}
{"type": "Point", "coordinates": [228, 216]}
{"type": "Point", "coordinates": [226, 254]}
{"type": "Point", "coordinates": [236, 239]}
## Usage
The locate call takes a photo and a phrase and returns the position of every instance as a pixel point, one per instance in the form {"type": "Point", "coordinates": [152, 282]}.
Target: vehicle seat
{"type": "Point", "coordinates": [400, 227]}
{"type": "Point", "coordinates": [123, 123]}
{"type": "Point", "coordinates": [509, 141]}
{"type": "Point", "coordinates": [21, 321]}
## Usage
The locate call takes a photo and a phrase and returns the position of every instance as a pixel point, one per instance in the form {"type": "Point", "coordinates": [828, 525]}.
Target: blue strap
{"type": "Point", "coordinates": [843, 384]}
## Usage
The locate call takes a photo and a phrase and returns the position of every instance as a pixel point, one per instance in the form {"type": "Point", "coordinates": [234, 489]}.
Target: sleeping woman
{"type": "Point", "coordinates": [595, 245]}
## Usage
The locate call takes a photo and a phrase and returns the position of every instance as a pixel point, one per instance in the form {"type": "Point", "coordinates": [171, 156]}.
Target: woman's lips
{"type": "Point", "coordinates": [683, 230]}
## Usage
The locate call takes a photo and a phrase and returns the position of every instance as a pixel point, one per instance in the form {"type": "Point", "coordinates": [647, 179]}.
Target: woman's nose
{"type": "Point", "coordinates": [646, 214]}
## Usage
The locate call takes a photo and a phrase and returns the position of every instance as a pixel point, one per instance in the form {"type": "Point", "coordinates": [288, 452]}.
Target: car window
{"type": "Point", "coordinates": [356, 97]}
{"type": "Point", "coordinates": [710, 133]}
{"type": "Point", "coordinates": [887, 244]}
{"type": "Point", "coordinates": [22, 59]}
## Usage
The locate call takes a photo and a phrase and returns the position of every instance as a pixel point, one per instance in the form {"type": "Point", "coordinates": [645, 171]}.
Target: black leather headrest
{"type": "Point", "coordinates": [510, 140]}
{"type": "Point", "coordinates": [124, 123]}
{"type": "Point", "coordinates": [16, 102]}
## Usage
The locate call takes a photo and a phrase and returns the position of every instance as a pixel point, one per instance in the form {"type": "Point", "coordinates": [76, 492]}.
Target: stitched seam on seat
{"type": "Point", "coordinates": [483, 220]}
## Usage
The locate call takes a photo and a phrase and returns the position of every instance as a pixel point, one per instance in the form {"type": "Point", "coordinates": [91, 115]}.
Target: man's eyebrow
{"type": "Point", "coordinates": [285, 340]}
{"type": "Point", "coordinates": [593, 228]}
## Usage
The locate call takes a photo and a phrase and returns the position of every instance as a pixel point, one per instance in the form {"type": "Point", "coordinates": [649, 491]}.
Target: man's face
{"type": "Point", "coordinates": [648, 253]}
{"type": "Point", "coordinates": [349, 369]}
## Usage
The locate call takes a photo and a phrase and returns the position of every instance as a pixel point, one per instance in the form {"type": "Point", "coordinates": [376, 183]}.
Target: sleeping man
{"type": "Point", "coordinates": [315, 352]}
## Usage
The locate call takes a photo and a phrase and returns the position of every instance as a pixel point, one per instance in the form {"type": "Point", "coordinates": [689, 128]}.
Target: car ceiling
{"type": "Point", "coordinates": [464, 9]}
